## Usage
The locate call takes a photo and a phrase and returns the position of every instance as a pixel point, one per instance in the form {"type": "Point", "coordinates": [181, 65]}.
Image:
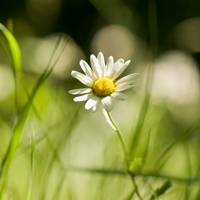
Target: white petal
{"type": "Point", "coordinates": [119, 69]}
{"type": "Point", "coordinates": [105, 113]}
{"type": "Point", "coordinates": [128, 78]}
{"type": "Point", "coordinates": [119, 60]}
{"type": "Point", "coordinates": [80, 91]}
{"type": "Point", "coordinates": [84, 97]}
{"type": "Point", "coordinates": [101, 61]}
{"type": "Point", "coordinates": [91, 102]}
{"type": "Point", "coordinates": [82, 78]}
{"type": "Point", "coordinates": [112, 69]}
{"type": "Point", "coordinates": [95, 66]}
{"type": "Point", "coordinates": [87, 70]}
{"type": "Point", "coordinates": [96, 106]}
{"type": "Point", "coordinates": [124, 86]}
{"type": "Point", "coordinates": [119, 96]}
{"type": "Point", "coordinates": [108, 103]}
{"type": "Point", "coordinates": [110, 61]}
{"type": "Point", "coordinates": [109, 65]}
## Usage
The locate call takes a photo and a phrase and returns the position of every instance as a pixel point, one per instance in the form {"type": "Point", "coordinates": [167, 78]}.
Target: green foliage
{"type": "Point", "coordinates": [51, 148]}
{"type": "Point", "coordinates": [10, 45]}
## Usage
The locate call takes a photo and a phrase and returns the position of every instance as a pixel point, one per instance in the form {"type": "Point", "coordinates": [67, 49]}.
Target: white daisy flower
{"type": "Point", "coordinates": [101, 81]}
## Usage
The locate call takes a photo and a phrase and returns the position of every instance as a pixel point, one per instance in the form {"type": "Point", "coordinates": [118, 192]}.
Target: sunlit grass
{"type": "Point", "coordinates": [51, 148]}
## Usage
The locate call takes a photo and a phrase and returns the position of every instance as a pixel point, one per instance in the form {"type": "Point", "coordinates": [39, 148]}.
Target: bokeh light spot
{"type": "Point", "coordinates": [114, 40]}
{"type": "Point", "coordinates": [176, 78]}
{"type": "Point", "coordinates": [187, 34]}
{"type": "Point", "coordinates": [68, 59]}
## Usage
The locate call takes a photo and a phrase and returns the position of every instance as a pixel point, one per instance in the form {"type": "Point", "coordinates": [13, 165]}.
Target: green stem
{"type": "Point", "coordinates": [125, 154]}
{"type": "Point", "coordinates": [136, 188]}
{"type": "Point", "coordinates": [121, 140]}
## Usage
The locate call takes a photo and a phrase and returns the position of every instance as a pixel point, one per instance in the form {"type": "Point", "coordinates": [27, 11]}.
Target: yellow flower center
{"type": "Point", "coordinates": [103, 87]}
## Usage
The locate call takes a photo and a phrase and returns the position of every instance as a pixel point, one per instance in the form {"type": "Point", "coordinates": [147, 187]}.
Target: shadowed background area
{"type": "Point", "coordinates": [76, 153]}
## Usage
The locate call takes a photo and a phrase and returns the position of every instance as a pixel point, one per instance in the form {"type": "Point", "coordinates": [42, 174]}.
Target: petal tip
{"type": "Point", "coordinates": [92, 56]}
{"type": "Point", "coordinates": [81, 61]}
{"type": "Point", "coordinates": [73, 72]}
{"type": "Point", "coordinates": [127, 62]}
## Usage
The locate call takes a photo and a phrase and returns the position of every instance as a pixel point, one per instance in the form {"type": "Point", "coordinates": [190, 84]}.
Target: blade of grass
{"type": "Point", "coordinates": [11, 46]}
{"type": "Point", "coordinates": [50, 130]}
{"type": "Point", "coordinates": [197, 197]}
{"type": "Point", "coordinates": [18, 129]}
{"type": "Point", "coordinates": [136, 133]}
{"type": "Point", "coordinates": [101, 171]}
{"type": "Point", "coordinates": [45, 180]}
{"type": "Point", "coordinates": [53, 59]}
{"type": "Point", "coordinates": [117, 172]}
{"type": "Point", "coordinates": [160, 191]}
{"type": "Point", "coordinates": [154, 195]}
{"type": "Point", "coordinates": [146, 149]}
{"type": "Point", "coordinates": [130, 196]}
{"type": "Point", "coordinates": [153, 36]}
{"type": "Point", "coordinates": [58, 189]}
{"type": "Point", "coordinates": [160, 159]}
{"type": "Point", "coordinates": [189, 168]}
{"type": "Point", "coordinates": [32, 164]}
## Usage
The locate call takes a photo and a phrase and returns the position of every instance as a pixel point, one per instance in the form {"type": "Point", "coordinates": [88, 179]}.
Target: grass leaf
{"type": "Point", "coordinates": [160, 191]}
{"type": "Point", "coordinates": [18, 129]}
{"type": "Point", "coordinates": [11, 46]}
{"type": "Point", "coordinates": [32, 145]}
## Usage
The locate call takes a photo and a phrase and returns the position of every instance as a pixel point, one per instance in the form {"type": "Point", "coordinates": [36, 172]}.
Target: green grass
{"type": "Point", "coordinates": [53, 149]}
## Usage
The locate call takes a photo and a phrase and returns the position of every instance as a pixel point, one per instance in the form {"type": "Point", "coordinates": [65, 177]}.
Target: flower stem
{"type": "Point", "coordinates": [125, 154]}
{"type": "Point", "coordinates": [121, 140]}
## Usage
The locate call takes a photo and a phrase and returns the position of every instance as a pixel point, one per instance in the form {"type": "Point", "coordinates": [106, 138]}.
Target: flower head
{"type": "Point", "coordinates": [101, 81]}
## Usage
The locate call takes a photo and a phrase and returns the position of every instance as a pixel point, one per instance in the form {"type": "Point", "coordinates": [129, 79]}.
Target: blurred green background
{"type": "Point", "coordinates": [77, 156]}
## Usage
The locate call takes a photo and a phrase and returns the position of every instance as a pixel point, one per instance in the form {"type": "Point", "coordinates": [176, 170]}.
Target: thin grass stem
{"type": "Point", "coordinates": [125, 154]}
{"type": "Point", "coordinates": [136, 188]}
{"type": "Point", "coordinates": [32, 145]}
{"type": "Point", "coordinates": [121, 139]}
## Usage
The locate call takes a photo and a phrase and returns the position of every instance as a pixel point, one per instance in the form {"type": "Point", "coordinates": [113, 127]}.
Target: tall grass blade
{"type": "Point", "coordinates": [11, 46]}
{"type": "Point", "coordinates": [32, 165]}
{"type": "Point", "coordinates": [58, 189]}
{"type": "Point", "coordinates": [153, 35]}
{"type": "Point", "coordinates": [189, 168]}
{"type": "Point", "coordinates": [137, 131]}
{"type": "Point", "coordinates": [18, 129]}
{"type": "Point", "coordinates": [145, 154]}
{"type": "Point", "coordinates": [162, 156]}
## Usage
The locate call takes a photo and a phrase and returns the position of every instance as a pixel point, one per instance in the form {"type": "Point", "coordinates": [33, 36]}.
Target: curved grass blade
{"type": "Point", "coordinates": [11, 46]}
{"type": "Point", "coordinates": [18, 129]}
